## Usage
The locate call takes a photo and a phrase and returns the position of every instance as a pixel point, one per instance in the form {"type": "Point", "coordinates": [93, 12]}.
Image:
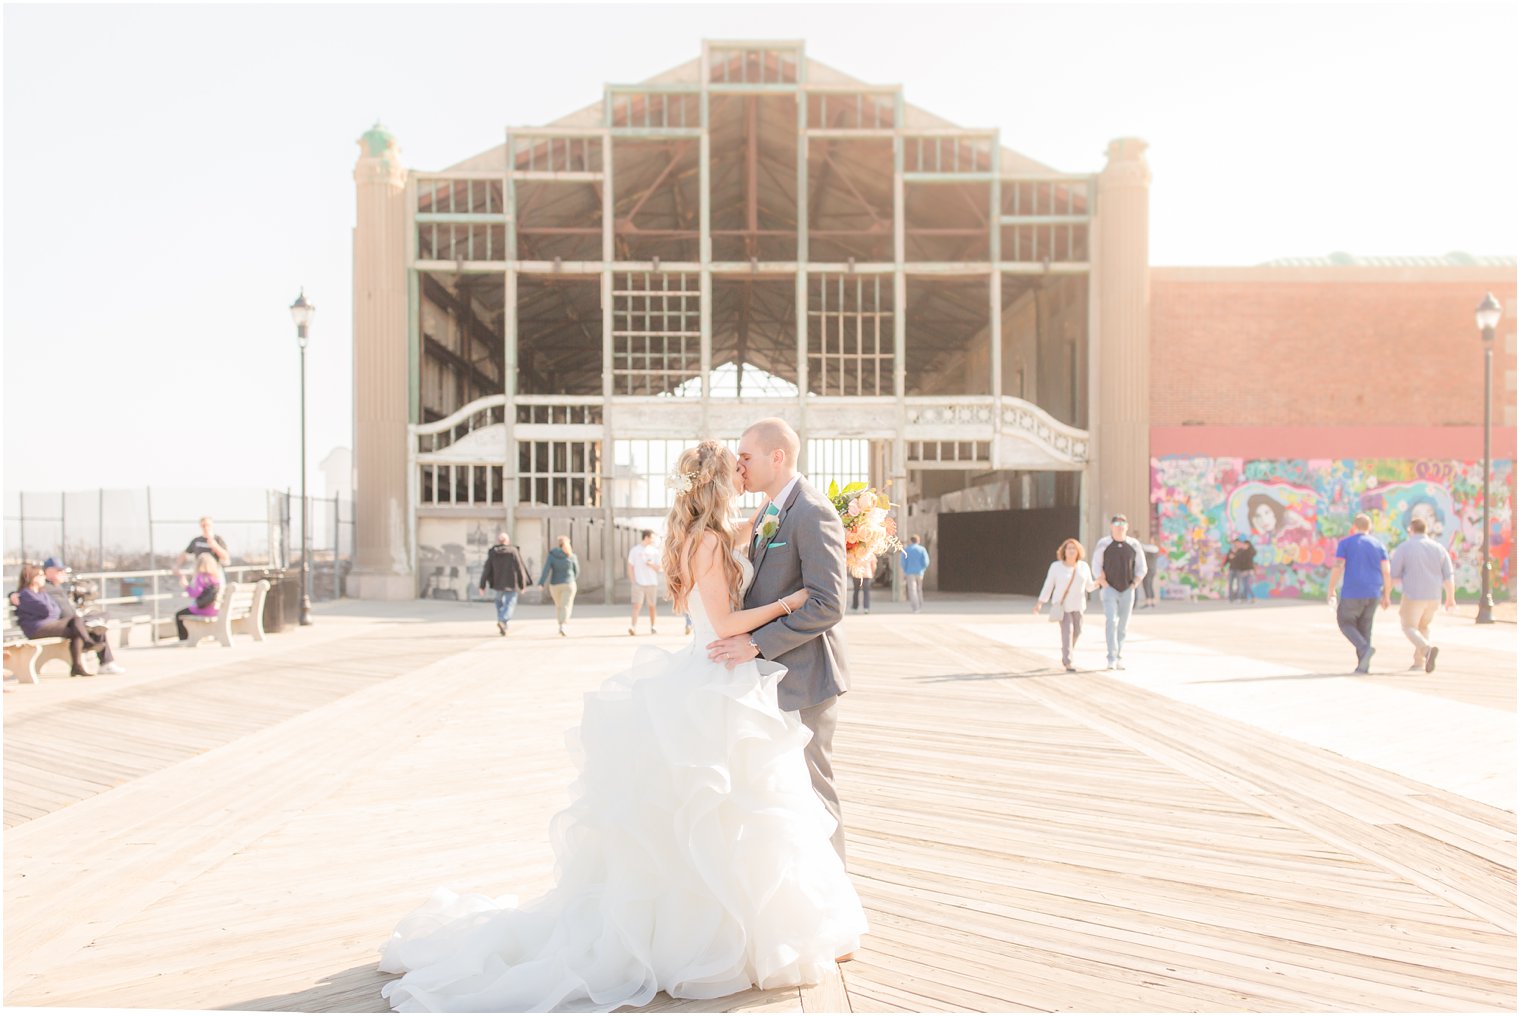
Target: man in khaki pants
{"type": "Point", "coordinates": [644, 578]}
{"type": "Point", "coordinates": [1424, 567]}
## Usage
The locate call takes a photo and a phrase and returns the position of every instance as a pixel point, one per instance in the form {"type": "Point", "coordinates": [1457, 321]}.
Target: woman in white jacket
{"type": "Point", "coordinates": [1067, 584]}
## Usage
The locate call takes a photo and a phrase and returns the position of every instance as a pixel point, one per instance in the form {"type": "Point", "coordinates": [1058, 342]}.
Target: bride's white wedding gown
{"type": "Point", "coordinates": [694, 858]}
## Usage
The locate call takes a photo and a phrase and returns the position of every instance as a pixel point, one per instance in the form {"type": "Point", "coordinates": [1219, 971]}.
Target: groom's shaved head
{"type": "Point", "coordinates": [773, 433]}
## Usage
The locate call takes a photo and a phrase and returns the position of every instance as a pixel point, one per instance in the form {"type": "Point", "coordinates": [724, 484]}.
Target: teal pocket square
{"type": "Point", "coordinates": [770, 546]}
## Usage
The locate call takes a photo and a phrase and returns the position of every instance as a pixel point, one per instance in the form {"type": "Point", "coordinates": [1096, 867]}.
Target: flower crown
{"type": "Point", "coordinates": [681, 483]}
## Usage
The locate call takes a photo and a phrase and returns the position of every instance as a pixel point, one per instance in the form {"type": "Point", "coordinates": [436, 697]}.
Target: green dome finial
{"type": "Point", "coordinates": [377, 140]}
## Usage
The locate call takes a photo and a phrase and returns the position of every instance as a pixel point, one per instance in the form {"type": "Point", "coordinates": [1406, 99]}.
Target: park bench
{"type": "Point", "coordinates": [240, 611]}
{"type": "Point", "coordinates": [129, 625]}
{"type": "Point", "coordinates": [24, 657]}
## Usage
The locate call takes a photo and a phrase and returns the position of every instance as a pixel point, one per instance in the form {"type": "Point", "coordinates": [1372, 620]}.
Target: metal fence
{"type": "Point", "coordinates": [129, 541]}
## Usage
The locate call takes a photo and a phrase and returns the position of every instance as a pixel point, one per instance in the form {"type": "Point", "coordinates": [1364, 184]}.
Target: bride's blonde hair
{"type": "Point", "coordinates": [705, 505]}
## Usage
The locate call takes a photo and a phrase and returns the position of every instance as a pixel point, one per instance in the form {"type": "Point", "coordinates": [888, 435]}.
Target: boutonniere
{"type": "Point", "coordinates": [768, 528]}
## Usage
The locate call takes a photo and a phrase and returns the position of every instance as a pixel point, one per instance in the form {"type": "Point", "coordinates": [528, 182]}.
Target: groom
{"type": "Point", "coordinates": [797, 542]}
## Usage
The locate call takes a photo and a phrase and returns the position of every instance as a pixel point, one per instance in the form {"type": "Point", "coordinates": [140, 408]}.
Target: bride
{"type": "Point", "coordinates": [695, 857]}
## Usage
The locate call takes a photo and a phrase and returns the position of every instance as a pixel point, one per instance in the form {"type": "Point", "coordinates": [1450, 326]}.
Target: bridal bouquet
{"type": "Point", "coordinates": [868, 531]}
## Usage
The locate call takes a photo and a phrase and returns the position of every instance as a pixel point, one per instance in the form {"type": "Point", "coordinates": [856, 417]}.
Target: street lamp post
{"type": "Point", "coordinates": [302, 313]}
{"type": "Point", "coordinates": [1488, 314]}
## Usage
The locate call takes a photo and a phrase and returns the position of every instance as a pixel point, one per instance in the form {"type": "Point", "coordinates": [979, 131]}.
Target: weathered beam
{"type": "Point", "coordinates": [855, 191]}
{"type": "Point", "coordinates": [745, 295]}
{"type": "Point", "coordinates": [820, 185]}
{"type": "Point", "coordinates": [752, 176]}
{"type": "Point", "coordinates": [947, 231]}
{"type": "Point", "coordinates": [677, 154]}
{"type": "Point", "coordinates": [440, 294]}
{"type": "Point", "coordinates": [552, 333]}
{"type": "Point", "coordinates": [558, 175]}
{"type": "Point", "coordinates": [439, 351]}
{"type": "Point", "coordinates": [559, 230]}
{"type": "Point", "coordinates": [965, 197]}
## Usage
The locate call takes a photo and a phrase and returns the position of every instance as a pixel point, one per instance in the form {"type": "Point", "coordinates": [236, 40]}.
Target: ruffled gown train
{"type": "Point", "coordinates": [694, 859]}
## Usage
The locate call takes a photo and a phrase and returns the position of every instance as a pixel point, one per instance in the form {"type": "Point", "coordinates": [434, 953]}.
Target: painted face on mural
{"type": "Point", "coordinates": [1265, 514]}
{"type": "Point", "coordinates": [1426, 512]}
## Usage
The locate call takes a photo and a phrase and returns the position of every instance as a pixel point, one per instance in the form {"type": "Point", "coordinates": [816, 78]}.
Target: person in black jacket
{"type": "Point", "coordinates": [1242, 562]}
{"type": "Point", "coordinates": [1119, 566]}
{"type": "Point", "coordinates": [504, 572]}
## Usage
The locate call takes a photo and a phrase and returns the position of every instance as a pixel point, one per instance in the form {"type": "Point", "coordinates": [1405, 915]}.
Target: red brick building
{"type": "Point", "coordinates": [1323, 388]}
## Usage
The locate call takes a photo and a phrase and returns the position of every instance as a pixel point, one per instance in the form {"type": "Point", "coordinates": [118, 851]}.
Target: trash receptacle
{"type": "Point", "coordinates": [279, 614]}
{"type": "Point", "coordinates": [290, 596]}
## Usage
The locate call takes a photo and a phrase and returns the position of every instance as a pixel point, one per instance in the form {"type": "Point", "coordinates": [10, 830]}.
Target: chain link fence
{"type": "Point", "coordinates": [129, 542]}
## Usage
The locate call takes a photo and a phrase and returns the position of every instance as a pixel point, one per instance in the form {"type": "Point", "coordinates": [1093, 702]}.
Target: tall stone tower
{"type": "Point", "coordinates": [382, 568]}
{"type": "Point", "coordinates": [1122, 410]}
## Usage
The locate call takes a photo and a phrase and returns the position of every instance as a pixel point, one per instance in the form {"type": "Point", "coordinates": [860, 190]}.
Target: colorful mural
{"type": "Point", "coordinates": [1295, 511]}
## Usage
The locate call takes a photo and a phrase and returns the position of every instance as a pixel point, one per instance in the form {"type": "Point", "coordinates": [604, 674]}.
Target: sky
{"type": "Point", "coordinates": [174, 175]}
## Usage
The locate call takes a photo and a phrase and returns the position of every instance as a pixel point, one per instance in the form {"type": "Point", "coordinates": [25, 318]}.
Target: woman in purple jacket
{"type": "Point", "coordinates": [40, 618]}
{"type": "Point", "coordinates": [204, 589]}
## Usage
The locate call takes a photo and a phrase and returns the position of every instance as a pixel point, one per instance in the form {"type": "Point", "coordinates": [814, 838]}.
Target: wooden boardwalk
{"type": "Point", "coordinates": [242, 828]}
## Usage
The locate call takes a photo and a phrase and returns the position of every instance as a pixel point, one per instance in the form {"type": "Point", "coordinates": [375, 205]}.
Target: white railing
{"type": "Point", "coordinates": [954, 418]}
{"type": "Point", "coordinates": [1062, 440]}
{"type": "Point", "coordinates": [151, 597]}
{"type": "Point", "coordinates": [484, 412]}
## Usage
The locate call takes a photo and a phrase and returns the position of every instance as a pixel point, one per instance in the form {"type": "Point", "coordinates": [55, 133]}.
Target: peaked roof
{"type": "Point", "coordinates": [691, 73]}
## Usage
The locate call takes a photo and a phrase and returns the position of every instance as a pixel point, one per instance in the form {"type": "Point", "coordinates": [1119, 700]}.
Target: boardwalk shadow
{"type": "Point", "coordinates": [356, 989]}
{"type": "Point", "coordinates": [1281, 677]}
{"type": "Point", "coordinates": [1007, 675]}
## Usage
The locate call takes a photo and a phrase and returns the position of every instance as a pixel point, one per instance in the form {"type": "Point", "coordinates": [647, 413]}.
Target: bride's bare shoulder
{"type": "Point", "coordinates": [707, 546]}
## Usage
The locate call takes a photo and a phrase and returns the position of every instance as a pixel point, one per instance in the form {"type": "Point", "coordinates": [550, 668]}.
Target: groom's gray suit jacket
{"type": "Point", "coordinates": [807, 550]}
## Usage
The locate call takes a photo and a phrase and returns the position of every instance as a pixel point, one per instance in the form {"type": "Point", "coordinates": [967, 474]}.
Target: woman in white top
{"type": "Point", "coordinates": [1067, 584]}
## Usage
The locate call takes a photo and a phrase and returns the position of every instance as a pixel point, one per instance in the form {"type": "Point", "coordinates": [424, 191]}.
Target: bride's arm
{"type": "Point", "coordinates": [712, 586]}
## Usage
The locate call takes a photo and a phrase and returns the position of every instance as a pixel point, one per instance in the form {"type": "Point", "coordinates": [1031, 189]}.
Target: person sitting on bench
{"type": "Point", "coordinates": [203, 589]}
{"type": "Point", "coordinates": [41, 617]}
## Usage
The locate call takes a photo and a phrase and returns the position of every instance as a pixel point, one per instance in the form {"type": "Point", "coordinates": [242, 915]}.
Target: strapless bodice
{"type": "Point", "coordinates": [702, 629]}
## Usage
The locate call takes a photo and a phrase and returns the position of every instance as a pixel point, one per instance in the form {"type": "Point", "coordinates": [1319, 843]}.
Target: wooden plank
{"type": "Point", "coordinates": [1168, 948]}
{"type": "Point", "coordinates": [828, 995]}
{"type": "Point", "coordinates": [1324, 809]}
{"type": "Point", "coordinates": [1020, 845]}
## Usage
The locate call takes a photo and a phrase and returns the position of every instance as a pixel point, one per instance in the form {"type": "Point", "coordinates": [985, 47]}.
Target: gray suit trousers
{"type": "Point", "coordinates": [821, 719]}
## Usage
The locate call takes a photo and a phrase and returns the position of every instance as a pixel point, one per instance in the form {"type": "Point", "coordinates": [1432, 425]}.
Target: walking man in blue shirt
{"type": "Point", "coordinates": [1364, 563]}
{"type": "Point", "coordinates": [915, 563]}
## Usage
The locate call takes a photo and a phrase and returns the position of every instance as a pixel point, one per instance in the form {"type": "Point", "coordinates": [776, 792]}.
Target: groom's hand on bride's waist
{"type": "Point", "coordinates": [732, 651]}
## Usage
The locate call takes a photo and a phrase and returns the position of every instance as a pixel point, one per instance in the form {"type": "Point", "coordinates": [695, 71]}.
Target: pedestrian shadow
{"type": "Point", "coordinates": [1007, 675]}
{"type": "Point", "coordinates": [356, 989]}
{"type": "Point", "coordinates": [1280, 677]}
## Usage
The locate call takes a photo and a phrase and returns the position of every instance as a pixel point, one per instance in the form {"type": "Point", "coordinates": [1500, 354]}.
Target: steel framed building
{"type": "Point", "coordinates": [539, 328]}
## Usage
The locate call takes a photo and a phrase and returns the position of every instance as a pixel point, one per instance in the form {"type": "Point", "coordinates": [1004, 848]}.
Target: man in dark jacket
{"type": "Point", "coordinates": [1242, 562]}
{"type": "Point", "coordinates": [1119, 566]}
{"type": "Point", "coordinates": [504, 572]}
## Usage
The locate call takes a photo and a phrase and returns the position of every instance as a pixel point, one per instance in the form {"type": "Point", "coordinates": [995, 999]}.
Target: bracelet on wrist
{"type": "Point", "coordinates": [785, 607]}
